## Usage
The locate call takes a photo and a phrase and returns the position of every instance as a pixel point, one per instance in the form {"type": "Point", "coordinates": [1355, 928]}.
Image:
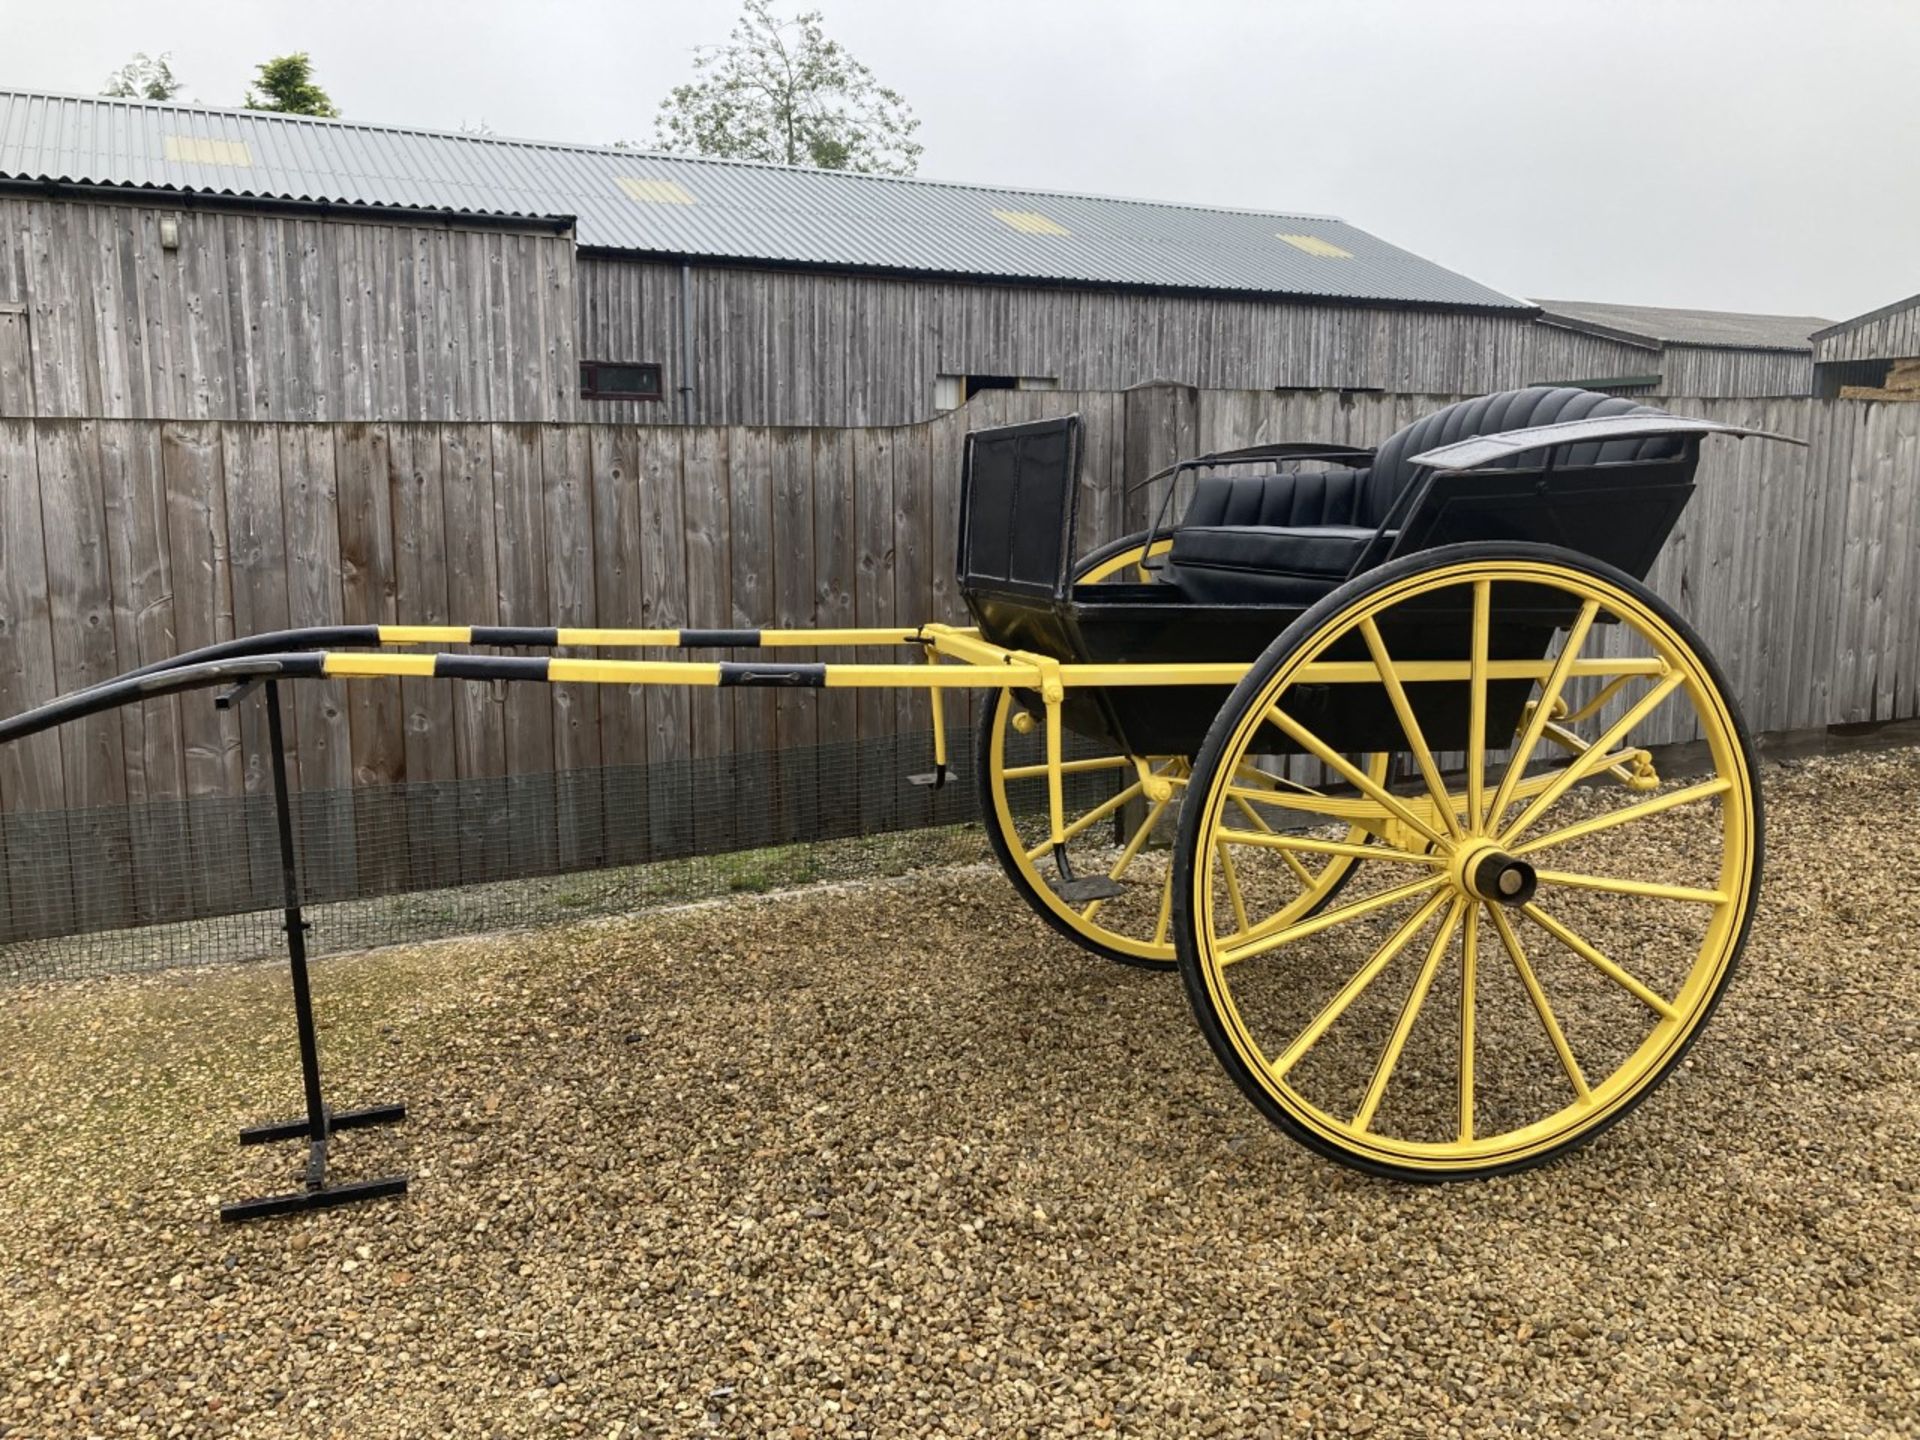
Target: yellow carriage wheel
{"type": "Point", "coordinates": [1563, 882]}
{"type": "Point", "coordinates": [1118, 820]}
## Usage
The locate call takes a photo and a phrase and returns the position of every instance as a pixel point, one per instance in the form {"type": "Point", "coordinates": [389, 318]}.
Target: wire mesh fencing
{"type": "Point", "coordinates": [180, 882]}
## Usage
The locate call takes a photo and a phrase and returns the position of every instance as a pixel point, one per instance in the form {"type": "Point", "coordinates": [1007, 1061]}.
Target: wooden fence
{"type": "Point", "coordinates": [122, 542]}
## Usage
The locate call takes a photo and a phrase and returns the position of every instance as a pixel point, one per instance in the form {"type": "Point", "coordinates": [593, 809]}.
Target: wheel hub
{"type": "Point", "coordinates": [1487, 872]}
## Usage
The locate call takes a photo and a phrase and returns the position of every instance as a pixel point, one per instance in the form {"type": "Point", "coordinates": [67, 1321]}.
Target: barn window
{"type": "Point", "coordinates": [950, 392]}
{"type": "Point", "coordinates": [619, 380]}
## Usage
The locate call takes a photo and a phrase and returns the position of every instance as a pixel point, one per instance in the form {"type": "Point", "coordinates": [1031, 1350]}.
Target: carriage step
{"type": "Point", "coordinates": [1084, 888]}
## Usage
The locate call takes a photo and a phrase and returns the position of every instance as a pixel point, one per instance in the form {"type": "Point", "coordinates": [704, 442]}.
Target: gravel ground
{"type": "Point", "coordinates": [894, 1160]}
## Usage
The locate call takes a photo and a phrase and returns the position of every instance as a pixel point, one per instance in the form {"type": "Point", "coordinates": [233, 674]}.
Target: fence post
{"type": "Point", "coordinates": [1162, 422]}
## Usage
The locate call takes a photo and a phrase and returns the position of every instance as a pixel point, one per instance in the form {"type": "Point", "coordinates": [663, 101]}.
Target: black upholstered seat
{"type": "Point", "coordinates": [1289, 536]}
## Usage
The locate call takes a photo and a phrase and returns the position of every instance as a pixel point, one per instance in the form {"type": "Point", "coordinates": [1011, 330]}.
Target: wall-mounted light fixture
{"type": "Point", "coordinates": [169, 232]}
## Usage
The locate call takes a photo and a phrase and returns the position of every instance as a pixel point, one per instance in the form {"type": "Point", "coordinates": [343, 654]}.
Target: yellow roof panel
{"type": "Point", "coordinates": [197, 150]}
{"type": "Point", "coordinates": [655, 192]}
{"type": "Point", "coordinates": [1314, 245]}
{"type": "Point", "coordinates": [1030, 222]}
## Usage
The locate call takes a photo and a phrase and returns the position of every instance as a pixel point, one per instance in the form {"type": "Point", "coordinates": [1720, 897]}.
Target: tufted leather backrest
{"type": "Point", "coordinates": [1392, 470]}
{"type": "Point", "coordinates": [1344, 496]}
{"type": "Point", "coordinates": [1290, 498]}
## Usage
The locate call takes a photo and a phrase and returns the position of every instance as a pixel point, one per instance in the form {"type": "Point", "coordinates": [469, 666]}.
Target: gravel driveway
{"type": "Point", "coordinates": [894, 1160]}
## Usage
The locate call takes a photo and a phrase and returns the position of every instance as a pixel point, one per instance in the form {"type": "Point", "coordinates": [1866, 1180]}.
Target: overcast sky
{"type": "Point", "coordinates": [1729, 154]}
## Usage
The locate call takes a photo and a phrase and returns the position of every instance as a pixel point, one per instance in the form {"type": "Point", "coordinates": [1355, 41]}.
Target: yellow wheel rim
{"type": "Point", "coordinates": [1137, 925]}
{"type": "Point", "coordinates": [1128, 564]}
{"type": "Point", "coordinates": [1550, 920]}
{"type": "Point", "coordinates": [1108, 786]}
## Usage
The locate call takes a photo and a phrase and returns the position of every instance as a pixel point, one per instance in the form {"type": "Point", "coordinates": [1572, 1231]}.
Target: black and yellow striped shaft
{"type": "Point", "coordinates": [521, 637]}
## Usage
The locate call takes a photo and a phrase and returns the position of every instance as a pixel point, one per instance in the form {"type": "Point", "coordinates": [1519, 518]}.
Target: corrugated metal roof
{"type": "Point", "coordinates": [657, 204]}
{"type": "Point", "coordinates": [1656, 325]}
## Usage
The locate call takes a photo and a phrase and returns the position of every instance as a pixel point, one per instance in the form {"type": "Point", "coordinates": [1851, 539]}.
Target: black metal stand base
{"type": "Point", "coordinates": [336, 1120]}
{"type": "Point", "coordinates": [321, 1121]}
{"type": "Point", "coordinates": [325, 1198]}
{"type": "Point", "coordinates": [318, 1194]}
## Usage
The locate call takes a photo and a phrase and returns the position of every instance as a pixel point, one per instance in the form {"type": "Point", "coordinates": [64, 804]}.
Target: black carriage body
{"type": "Point", "coordinates": [1016, 568]}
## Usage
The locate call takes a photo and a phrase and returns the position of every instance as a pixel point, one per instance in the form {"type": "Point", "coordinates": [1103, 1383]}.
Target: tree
{"type": "Point", "coordinates": [286, 84]}
{"type": "Point", "coordinates": [145, 77]}
{"type": "Point", "coordinates": [781, 91]}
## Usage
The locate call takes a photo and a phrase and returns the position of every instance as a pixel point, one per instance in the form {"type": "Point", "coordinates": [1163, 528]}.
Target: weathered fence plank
{"type": "Point", "coordinates": [133, 490]}
{"type": "Point", "coordinates": [796, 712]}
{"type": "Point", "coordinates": [752, 560]}
{"type": "Point", "coordinates": [836, 562]}
{"type": "Point", "coordinates": [197, 540]}
{"type": "Point", "coordinates": [377, 746]}
{"type": "Point", "coordinates": [519, 519]}
{"type": "Point", "coordinates": [873, 479]}
{"type": "Point", "coordinates": [659, 465]}
{"type": "Point", "coordinates": [579, 806]}
{"type": "Point", "coordinates": [80, 610]}
{"type": "Point", "coordinates": [473, 598]}
{"type": "Point", "coordinates": [430, 744]}
{"type": "Point", "coordinates": [256, 540]}
{"type": "Point", "coordinates": [310, 491]}
{"type": "Point", "coordinates": [704, 501]}
{"type": "Point", "coordinates": [32, 779]}
{"type": "Point", "coordinates": [619, 592]}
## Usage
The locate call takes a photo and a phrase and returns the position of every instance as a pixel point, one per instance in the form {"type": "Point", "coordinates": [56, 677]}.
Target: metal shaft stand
{"type": "Point", "coordinates": [320, 1122]}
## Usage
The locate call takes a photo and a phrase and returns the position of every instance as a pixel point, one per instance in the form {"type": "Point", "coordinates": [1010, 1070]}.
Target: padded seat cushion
{"type": "Point", "coordinates": [1264, 564]}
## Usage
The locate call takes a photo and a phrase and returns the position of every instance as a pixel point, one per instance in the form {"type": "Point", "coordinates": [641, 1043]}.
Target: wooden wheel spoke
{"type": "Point", "coordinates": [1246, 771]}
{"type": "Point", "coordinates": [1652, 999]}
{"type": "Point", "coordinates": [1299, 868]}
{"type": "Point", "coordinates": [1352, 990]}
{"type": "Point", "coordinates": [1165, 918]}
{"type": "Point", "coordinates": [1409, 1012]}
{"type": "Point", "coordinates": [1246, 808]}
{"type": "Point", "coordinates": [1092, 817]}
{"type": "Point", "coordinates": [1543, 710]}
{"type": "Point", "coordinates": [1309, 802]}
{"type": "Point", "coordinates": [1617, 886]}
{"type": "Point", "coordinates": [1626, 815]}
{"type": "Point", "coordinates": [1269, 934]}
{"type": "Point", "coordinates": [1540, 1005]}
{"type": "Point", "coordinates": [1068, 767]}
{"type": "Point", "coordinates": [1352, 774]}
{"type": "Point", "coordinates": [1597, 757]}
{"type": "Point", "coordinates": [1599, 701]}
{"type": "Point", "coordinates": [1234, 897]}
{"type": "Point", "coordinates": [1300, 871]}
{"type": "Point", "coordinates": [1469, 962]}
{"type": "Point", "coordinates": [1277, 789]}
{"type": "Point", "coordinates": [1312, 845]}
{"type": "Point", "coordinates": [1129, 854]}
{"type": "Point", "coordinates": [1410, 724]}
{"type": "Point", "coordinates": [1477, 703]}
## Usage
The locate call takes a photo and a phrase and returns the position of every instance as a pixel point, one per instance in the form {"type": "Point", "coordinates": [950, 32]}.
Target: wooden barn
{"type": "Point", "coordinates": [1662, 351]}
{"type": "Point", "coordinates": [1875, 356]}
{"type": "Point", "coordinates": [163, 261]}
